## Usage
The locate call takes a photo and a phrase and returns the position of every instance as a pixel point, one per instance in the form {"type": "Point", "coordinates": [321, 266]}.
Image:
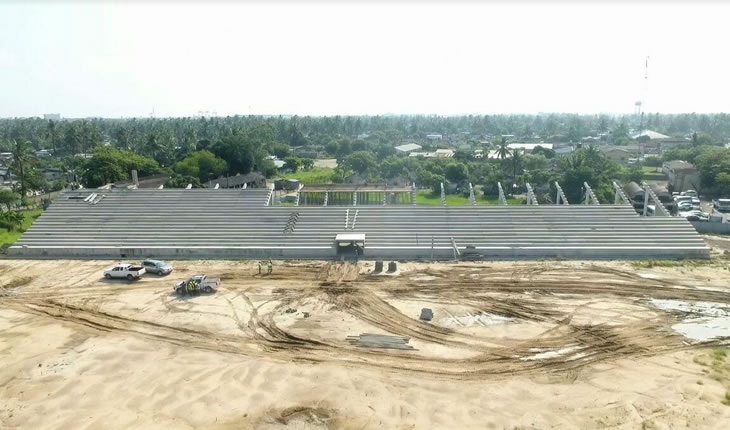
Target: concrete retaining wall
{"type": "Point", "coordinates": [711, 227]}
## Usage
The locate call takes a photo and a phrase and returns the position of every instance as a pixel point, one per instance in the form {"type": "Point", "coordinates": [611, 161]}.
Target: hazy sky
{"type": "Point", "coordinates": [113, 60]}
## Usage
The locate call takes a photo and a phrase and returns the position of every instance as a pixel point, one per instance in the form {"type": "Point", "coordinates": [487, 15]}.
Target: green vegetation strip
{"type": "Point", "coordinates": [426, 197]}
{"type": "Point", "coordinates": [315, 175]}
{"type": "Point", "coordinates": [9, 237]}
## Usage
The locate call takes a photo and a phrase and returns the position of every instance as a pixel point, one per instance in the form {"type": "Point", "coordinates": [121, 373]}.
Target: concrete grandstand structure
{"type": "Point", "coordinates": [239, 224]}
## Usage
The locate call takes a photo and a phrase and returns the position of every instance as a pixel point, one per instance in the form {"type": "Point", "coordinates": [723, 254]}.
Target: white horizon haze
{"type": "Point", "coordinates": [178, 59]}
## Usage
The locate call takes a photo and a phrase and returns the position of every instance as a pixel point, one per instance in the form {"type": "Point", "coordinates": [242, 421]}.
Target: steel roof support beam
{"type": "Point", "coordinates": [649, 194]}
{"type": "Point", "coordinates": [590, 197]}
{"type": "Point", "coordinates": [531, 199]}
{"type": "Point", "coordinates": [560, 197]}
{"type": "Point", "coordinates": [619, 195]}
{"type": "Point", "coordinates": [502, 198]}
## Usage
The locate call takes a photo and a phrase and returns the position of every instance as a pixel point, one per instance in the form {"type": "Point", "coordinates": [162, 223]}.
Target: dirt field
{"type": "Point", "coordinates": [542, 344]}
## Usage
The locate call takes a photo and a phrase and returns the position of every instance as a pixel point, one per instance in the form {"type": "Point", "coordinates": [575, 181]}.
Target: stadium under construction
{"type": "Point", "coordinates": [244, 223]}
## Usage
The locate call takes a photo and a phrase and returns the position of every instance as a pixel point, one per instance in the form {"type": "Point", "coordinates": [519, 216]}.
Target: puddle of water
{"type": "Point", "coordinates": [469, 320]}
{"type": "Point", "coordinates": [705, 321]}
{"type": "Point", "coordinates": [699, 308]}
{"type": "Point", "coordinates": [553, 353]}
{"type": "Point", "coordinates": [703, 329]}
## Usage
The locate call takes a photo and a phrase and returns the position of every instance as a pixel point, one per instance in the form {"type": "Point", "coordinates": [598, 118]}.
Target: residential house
{"type": "Point", "coordinates": [657, 143]}
{"type": "Point", "coordinates": [651, 135]}
{"type": "Point", "coordinates": [529, 147]}
{"type": "Point", "coordinates": [55, 173]}
{"type": "Point", "coordinates": [311, 151]}
{"type": "Point", "coordinates": [682, 176]}
{"type": "Point", "coordinates": [617, 153]}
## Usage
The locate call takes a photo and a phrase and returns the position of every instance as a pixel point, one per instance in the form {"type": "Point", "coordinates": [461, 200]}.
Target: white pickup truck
{"type": "Point", "coordinates": [124, 271]}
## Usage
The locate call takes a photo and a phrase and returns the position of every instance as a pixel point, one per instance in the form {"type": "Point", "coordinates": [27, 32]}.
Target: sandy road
{"type": "Point", "coordinates": [560, 325]}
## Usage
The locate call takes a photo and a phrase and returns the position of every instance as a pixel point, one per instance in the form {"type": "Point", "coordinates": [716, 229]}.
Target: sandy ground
{"type": "Point", "coordinates": [541, 344]}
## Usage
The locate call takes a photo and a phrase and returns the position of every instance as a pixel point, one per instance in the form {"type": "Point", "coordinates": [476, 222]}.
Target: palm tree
{"type": "Point", "coordinates": [22, 156]}
{"type": "Point", "coordinates": [592, 152]}
{"type": "Point", "coordinates": [52, 135]}
{"type": "Point", "coordinates": [516, 163]}
{"type": "Point", "coordinates": [503, 150]}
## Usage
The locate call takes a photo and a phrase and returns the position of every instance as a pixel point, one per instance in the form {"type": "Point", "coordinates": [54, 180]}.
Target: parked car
{"type": "Point", "coordinates": [695, 215]}
{"type": "Point", "coordinates": [156, 266]}
{"type": "Point", "coordinates": [691, 193]}
{"type": "Point", "coordinates": [124, 271]}
{"type": "Point", "coordinates": [685, 207]}
{"type": "Point", "coordinates": [721, 205]}
{"type": "Point", "coordinates": [680, 199]}
{"type": "Point", "coordinates": [196, 285]}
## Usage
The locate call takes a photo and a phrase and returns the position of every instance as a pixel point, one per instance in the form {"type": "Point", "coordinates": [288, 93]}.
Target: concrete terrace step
{"type": "Point", "coordinates": [237, 224]}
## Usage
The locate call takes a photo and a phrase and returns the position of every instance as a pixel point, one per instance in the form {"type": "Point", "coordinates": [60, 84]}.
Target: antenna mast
{"type": "Point", "coordinates": [640, 103]}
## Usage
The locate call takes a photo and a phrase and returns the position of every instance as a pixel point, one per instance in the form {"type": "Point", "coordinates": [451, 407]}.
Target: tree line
{"type": "Point", "coordinates": [196, 150]}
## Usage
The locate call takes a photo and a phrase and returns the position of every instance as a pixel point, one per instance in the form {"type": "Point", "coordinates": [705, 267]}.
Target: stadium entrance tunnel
{"type": "Point", "coordinates": [350, 244]}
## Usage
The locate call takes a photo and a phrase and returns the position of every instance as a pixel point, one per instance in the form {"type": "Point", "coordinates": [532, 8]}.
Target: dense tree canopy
{"type": "Point", "coordinates": [365, 147]}
{"type": "Point", "coordinates": [203, 165]}
{"type": "Point", "coordinates": [111, 165]}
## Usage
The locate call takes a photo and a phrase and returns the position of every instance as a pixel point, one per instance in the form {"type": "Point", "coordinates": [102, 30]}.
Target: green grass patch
{"type": "Point", "coordinates": [648, 169]}
{"type": "Point", "coordinates": [648, 264]}
{"type": "Point", "coordinates": [719, 354]}
{"type": "Point", "coordinates": [10, 237]}
{"type": "Point", "coordinates": [316, 175]}
{"type": "Point", "coordinates": [720, 366]}
{"type": "Point", "coordinates": [426, 197]}
{"type": "Point", "coordinates": [651, 174]}
{"type": "Point", "coordinates": [483, 200]}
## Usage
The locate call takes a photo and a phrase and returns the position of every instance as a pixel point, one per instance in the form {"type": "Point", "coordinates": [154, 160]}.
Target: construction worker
{"type": "Point", "coordinates": [259, 267]}
{"type": "Point", "coordinates": [270, 267]}
{"type": "Point", "coordinates": [191, 287]}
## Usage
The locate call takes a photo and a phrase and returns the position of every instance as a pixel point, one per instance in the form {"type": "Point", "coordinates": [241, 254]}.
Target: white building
{"type": "Point", "coordinates": [408, 147]}
{"type": "Point", "coordinates": [422, 154]}
{"type": "Point", "coordinates": [651, 134]}
{"type": "Point", "coordinates": [444, 153]}
{"type": "Point", "coordinates": [434, 136]}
